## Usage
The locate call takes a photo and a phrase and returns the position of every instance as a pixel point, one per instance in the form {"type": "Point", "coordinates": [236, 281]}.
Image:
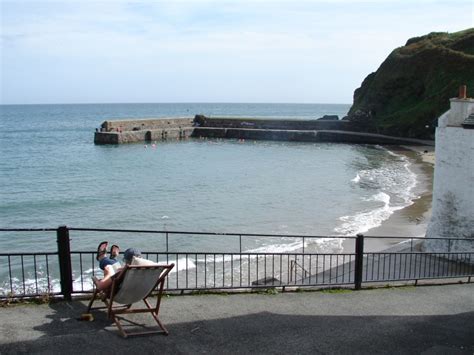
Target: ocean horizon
{"type": "Point", "coordinates": [174, 103]}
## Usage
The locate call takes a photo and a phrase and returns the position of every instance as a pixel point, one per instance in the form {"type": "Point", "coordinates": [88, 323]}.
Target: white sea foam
{"type": "Point", "coordinates": [180, 264]}
{"type": "Point", "coordinates": [393, 184]}
{"type": "Point", "coordinates": [323, 245]}
{"type": "Point", "coordinates": [30, 286]}
{"type": "Point", "coordinates": [363, 221]}
{"type": "Point", "coordinates": [270, 249]}
{"type": "Point", "coordinates": [84, 283]}
{"type": "Point", "coordinates": [212, 258]}
{"type": "Point", "coordinates": [90, 271]}
{"type": "Point", "coordinates": [381, 196]}
{"type": "Point", "coordinates": [279, 248]}
{"type": "Point", "coordinates": [328, 245]}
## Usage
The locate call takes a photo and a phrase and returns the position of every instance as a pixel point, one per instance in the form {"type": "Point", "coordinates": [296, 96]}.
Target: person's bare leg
{"type": "Point", "coordinates": [114, 251]}
{"type": "Point", "coordinates": [102, 250]}
{"type": "Point", "coordinates": [101, 285]}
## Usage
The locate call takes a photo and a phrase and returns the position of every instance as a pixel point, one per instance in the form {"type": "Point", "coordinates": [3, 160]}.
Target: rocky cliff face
{"type": "Point", "coordinates": [412, 87]}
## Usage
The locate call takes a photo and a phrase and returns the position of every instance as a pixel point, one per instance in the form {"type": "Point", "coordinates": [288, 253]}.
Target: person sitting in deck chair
{"type": "Point", "coordinates": [110, 265]}
{"type": "Point", "coordinates": [139, 280]}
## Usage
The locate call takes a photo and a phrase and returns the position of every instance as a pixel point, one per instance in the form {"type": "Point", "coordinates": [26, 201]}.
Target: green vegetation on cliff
{"type": "Point", "coordinates": [412, 87]}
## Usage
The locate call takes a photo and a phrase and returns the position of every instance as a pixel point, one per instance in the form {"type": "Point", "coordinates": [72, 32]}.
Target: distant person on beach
{"type": "Point", "coordinates": [110, 265]}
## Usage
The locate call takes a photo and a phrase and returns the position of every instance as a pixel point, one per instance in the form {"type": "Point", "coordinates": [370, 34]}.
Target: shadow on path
{"type": "Point", "coordinates": [264, 332]}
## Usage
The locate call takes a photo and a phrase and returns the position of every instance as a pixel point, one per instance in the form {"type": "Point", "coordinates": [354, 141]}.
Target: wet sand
{"type": "Point", "coordinates": [411, 221]}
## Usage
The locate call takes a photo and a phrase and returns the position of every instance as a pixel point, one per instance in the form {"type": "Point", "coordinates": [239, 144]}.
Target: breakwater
{"type": "Point", "coordinates": [143, 130]}
{"type": "Point", "coordinates": [147, 130]}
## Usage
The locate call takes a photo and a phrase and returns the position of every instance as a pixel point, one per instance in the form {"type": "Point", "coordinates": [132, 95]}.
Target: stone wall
{"type": "Point", "coordinates": [145, 124]}
{"type": "Point", "coordinates": [256, 123]}
{"type": "Point", "coordinates": [303, 136]}
{"type": "Point", "coordinates": [144, 136]}
{"type": "Point", "coordinates": [106, 138]}
{"type": "Point", "coordinates": [132, 131]}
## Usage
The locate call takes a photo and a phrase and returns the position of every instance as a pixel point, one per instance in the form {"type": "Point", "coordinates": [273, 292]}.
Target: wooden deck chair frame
{"type": "Point", "coordinates": [114, 310]}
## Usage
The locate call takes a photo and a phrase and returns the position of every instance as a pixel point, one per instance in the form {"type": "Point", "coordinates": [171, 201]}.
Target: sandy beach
{"type": "Point", "coordinates": [411, 221]}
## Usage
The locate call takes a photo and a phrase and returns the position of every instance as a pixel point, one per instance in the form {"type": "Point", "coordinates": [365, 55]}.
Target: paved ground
{"type": "Point", "coordinates": [418, 320]}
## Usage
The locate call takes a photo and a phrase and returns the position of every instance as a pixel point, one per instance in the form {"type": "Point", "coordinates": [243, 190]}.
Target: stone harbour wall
{"type": "Point", "coordinates": [102, 138]}
{"type": "Point", "coordinates": [329, 136]}
{"type": "Point", "coordinates": [258, 123]}
{"type": "Point", "coordinates": [133, 131]}
{"type": "Point", "coordinates": [145, 124]}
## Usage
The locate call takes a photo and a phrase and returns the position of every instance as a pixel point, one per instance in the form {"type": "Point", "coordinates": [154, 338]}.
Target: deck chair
{"type": "Point", "coordinates": [135, 283]}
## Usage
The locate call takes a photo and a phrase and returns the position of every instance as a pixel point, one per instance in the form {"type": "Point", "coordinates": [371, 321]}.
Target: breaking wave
{"type": "Point", "coordinates": [392, 184]}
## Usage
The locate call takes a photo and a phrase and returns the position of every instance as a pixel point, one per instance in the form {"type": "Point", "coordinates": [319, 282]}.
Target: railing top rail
{"type": "Point", "coordinates": [148, 231]}
{"type": "Point", "coordinates": [381, 252]}
{"type": "Point", "coordinates": [28, 229]}
{"type": "Point", "coordinates": [417, 238]}
{"type": "Point", "coordinates": [28, 254]}
{"type": "Point", "coordinates": [219, 253]}
{"type": "Point", "coordinates": [205, 233]}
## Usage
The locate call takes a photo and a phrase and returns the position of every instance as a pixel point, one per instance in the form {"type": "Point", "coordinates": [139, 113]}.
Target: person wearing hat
{"type": "Point", "coordinates": [130, 253]}
{"type": "Point", "coordinates": [111, 266]}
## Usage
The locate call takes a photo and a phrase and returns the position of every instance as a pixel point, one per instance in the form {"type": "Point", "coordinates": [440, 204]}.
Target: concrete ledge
{"type": "Point", "coordinates": [260, 123]}
{"type": "Point", "coordinates": [368, 138]}
{"type": "Point", "coordinates": [305, 136]}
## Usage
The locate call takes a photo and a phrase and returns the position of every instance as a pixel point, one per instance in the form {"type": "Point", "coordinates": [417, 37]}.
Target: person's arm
{"type": "Point", "coordinates": [106, 281]}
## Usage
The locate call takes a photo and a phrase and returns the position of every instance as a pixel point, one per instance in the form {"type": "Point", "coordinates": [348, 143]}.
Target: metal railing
{"type": "Point", "coordinates": [65, 272]}
{"type": "Point", "coordinates": [295, 266]}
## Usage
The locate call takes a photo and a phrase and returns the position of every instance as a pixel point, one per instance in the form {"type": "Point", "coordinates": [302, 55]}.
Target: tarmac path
{"type": "Point", "coordinates": [408, 320]}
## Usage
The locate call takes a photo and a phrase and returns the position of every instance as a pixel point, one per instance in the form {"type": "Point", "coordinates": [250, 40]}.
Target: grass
{"type": "Point", "coordinates": [412, 87]}
{"type": "Point", "coordinates": [42, 299]}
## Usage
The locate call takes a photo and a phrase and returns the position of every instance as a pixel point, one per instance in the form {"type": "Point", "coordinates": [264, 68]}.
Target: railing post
{"type": "Point", "coordinates": [65, 267]}
{"type": "Point", "coordinates": [168, 254]}
{"type": "Point", "coordinates": [359, 261]}
{"type": "Point", "coordinates": [291, 270]}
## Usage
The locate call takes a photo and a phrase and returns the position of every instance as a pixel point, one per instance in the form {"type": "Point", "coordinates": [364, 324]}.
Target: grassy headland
{"type": "Point", "coordinates": [412, 87]}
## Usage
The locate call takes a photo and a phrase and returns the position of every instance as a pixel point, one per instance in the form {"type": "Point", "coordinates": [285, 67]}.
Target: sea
{"type": "Point", "coordinates": [52, 174]}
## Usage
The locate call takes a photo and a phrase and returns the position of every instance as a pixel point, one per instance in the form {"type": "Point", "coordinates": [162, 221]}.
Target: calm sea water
{"type": "Point", "coordinates": [52, 174]}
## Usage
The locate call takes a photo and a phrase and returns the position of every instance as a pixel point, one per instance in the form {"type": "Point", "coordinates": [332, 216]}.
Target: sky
{"type": "Point", "coordinates": [117, 51]}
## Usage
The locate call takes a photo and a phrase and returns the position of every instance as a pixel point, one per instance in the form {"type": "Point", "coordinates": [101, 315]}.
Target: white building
{"type": "Point", "coordinates": [453, 186]}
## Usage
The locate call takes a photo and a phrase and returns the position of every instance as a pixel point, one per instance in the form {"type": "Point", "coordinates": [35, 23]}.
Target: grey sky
{"type": "Point", "coordinates": [206, 51]}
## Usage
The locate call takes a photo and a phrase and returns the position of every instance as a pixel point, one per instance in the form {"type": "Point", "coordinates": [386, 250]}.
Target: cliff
{"type": "Point", "coordinates": [412, 87]}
